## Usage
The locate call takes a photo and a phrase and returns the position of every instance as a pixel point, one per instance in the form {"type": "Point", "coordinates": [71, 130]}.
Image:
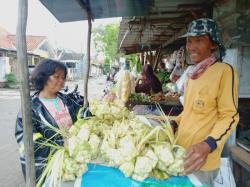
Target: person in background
{"type": "Point", "coordinates": [162, 66]}
{"type": "Point", "coordinates": [147, 82]}
{"type": "Point", "coordinates": [210, 102]}
{"type": "Point", "coordinates": [48, 106]}
{"type": "Point", "coordinates": [179, 65]}
{"type": "Point", "coordinates": [111, 75]}
{"type": "Point", "coordinates": [162, 73]}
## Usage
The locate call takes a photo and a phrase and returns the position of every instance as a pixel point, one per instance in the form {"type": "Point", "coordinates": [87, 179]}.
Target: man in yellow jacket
{"type": "Point", "coordinates": [210, 102]}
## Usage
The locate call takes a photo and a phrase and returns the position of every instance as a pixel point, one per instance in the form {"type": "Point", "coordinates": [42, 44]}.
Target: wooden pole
{"type": "Point", "coordinates": [147, 58]}
{"type": "Point", "coordinates": [142, 58]}
{"type": "Point", "coordinates": [157, 59]}
{"type": "Point", "coordinates": [85, 5]}
{"type": "Point", "coordinates": [25, 92]}
{"type": "Point", "coordinates": [87, 64]}
{"type": "Point", "coordinates": [151, 58]}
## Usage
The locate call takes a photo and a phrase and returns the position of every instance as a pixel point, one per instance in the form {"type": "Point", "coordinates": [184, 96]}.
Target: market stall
{"type": "Point", "coordinates": [91, 13]}
{"type": "Point", "coordinates": [85, 140]}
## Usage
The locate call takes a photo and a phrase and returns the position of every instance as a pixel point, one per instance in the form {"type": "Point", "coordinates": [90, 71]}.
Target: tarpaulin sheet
{"type": "Point", "coordinates": [103, 176]}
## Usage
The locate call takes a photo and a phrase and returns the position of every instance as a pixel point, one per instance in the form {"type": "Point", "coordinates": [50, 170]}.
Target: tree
{"type": "Point", "coordinates": [105, 40]}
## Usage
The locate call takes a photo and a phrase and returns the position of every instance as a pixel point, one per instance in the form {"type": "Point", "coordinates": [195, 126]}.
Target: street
{"type": "Point", "coordinates": [10, 173]}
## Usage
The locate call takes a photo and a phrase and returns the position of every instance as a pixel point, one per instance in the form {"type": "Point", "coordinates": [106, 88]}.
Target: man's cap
{"type": "Point", "coordinates": [206, 26]}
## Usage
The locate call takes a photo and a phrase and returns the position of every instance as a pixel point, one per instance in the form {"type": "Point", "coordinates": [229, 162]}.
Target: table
{"type": "Point", "coordinates": [241, 164]}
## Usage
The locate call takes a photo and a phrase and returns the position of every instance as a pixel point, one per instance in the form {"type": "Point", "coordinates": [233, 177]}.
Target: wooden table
{"type": "Point", "coordinates": [241, 156]}
{"type": "Point", "coordinates": [241, 165]}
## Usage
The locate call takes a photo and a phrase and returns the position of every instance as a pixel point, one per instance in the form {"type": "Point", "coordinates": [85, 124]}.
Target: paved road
{"type": "Point", "coordinates": [95, 86]}
{"type": "Point", "coordinates": [10, 172]}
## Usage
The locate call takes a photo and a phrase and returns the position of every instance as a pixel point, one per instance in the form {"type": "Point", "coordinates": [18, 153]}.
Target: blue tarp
{"type": "Point", "coordinates": [103, 176]}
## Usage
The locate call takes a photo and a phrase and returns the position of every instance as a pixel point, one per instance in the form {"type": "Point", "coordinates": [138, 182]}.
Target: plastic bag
{"type": "Point", "coordinates": [225, 176]}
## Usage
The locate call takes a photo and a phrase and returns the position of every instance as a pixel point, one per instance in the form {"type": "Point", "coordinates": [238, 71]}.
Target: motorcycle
{"type": "Point", "coordinates": [74, 95]}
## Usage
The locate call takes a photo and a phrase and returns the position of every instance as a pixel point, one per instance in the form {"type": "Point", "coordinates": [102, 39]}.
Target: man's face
{"type": "Point", "coordinates": [199, 47]}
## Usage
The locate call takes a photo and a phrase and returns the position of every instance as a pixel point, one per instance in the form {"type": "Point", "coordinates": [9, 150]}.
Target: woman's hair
{"type": "Point", "coordinates": [149, 73]}
{"type": "Point", "coordinates": [151, 83]}
{"type": "Point", "coordinates": [43, 70]}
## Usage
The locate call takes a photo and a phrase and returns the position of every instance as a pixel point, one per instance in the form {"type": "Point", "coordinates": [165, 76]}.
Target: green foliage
{"type": "Point", "coordinates": [132, 58]}
{"type": "Point", "coordinates": [106, 61]}
{"type": "Point", "coordinates": [10, 80]}
{"type": "Point", "coordinates": [134, 61]}
{"type": "Point", "coordinates": [163, 76]}
{"type": "Point", "coordinates": [138, 97]}
{"type": "Point", "coordinates": [105, 40]}
{"type": "Point", "coordinates": [106, 67]}
{"type": "Point", "coordinates": [138, 66]}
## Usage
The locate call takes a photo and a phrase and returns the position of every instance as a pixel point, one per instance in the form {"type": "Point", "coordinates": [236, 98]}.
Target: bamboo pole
{"type": "Point", "coordinates": [25, 91]}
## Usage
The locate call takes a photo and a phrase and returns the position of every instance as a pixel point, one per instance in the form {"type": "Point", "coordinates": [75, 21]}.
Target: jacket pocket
{"type": "Point", "coordinates": [204, 102]}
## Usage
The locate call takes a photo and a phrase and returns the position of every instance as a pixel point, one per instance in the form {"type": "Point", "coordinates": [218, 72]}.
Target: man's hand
{"type": "Point", "coordinates": [196, 157]}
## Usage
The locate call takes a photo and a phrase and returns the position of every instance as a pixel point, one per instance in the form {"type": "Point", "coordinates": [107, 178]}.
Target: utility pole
{"type": "Point", "coordinates": [25, 91]}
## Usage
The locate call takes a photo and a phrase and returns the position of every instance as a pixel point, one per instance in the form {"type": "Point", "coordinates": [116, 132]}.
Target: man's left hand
{"type": "Point", "coordinates": [196, 157]}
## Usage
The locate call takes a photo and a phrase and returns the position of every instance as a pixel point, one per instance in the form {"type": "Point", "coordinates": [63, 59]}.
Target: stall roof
{"type": "Point", "coordinates": [72, 10]}
{"type": "Point", "coordinates": [146, 24]}
{"type": "Point", "coordinates": [164, 23]}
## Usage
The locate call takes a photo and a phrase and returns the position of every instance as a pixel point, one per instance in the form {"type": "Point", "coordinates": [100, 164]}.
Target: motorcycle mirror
{"type": "Point", "coordinates": [76, 87]}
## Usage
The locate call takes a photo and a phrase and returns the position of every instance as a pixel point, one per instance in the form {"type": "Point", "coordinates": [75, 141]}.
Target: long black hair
{"type": "Point", "coordinates": [43, 70]}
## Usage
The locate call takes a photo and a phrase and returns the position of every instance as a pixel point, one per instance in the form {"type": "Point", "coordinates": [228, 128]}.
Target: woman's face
{"type": "Point", "coordinates": [56, 81]}
{"type": "Point", "coordinates": [199, 47]}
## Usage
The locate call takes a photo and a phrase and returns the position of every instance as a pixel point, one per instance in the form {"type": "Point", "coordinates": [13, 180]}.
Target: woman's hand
{"type": "Point", "coordinates": [139, 78]}
{"type": "Point", "coordinates": [196, 157]}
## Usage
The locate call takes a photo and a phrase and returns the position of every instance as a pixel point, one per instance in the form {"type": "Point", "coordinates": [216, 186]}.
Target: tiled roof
{"type": "Point", "coordinates": [5, 41]}
{"type": "Point", "coordinates": [32, 41]}
{"type": "Point", "coordinates": [8, 41]}
{"type": "Point", "coordinates": [3, 31]}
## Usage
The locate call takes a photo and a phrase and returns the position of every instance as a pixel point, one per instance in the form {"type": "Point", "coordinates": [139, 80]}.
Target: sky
{"type": "Point", "coordinates": [71, 35]}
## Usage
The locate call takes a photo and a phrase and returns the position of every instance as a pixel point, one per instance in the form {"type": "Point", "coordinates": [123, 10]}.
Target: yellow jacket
{"type": "Point", "coordinates": [210, 109]}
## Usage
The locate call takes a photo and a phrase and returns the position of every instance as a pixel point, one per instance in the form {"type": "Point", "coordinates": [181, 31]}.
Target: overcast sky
{"type": "Point", "coordinates": [41, 22]}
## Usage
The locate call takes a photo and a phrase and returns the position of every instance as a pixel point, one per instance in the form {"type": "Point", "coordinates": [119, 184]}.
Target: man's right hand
{"type": "Point", "coordinates": [196, 157]}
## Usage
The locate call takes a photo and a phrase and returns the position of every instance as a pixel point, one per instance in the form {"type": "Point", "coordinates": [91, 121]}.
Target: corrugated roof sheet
{"type": "Point", "coordinates": [71, 10]}
{"type": "Point", "coordinates": [146, 24]}
{"type": "Point", "coordinates": [165, 22]}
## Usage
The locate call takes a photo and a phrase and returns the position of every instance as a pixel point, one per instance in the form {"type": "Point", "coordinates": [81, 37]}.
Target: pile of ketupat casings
{"type": "Point", "coordinates": [115, 137]}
